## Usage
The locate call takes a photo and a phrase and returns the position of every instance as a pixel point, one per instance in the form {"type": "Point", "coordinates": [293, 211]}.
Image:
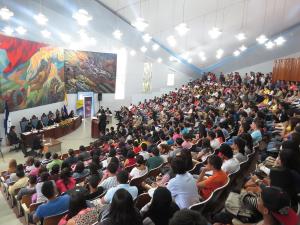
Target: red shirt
{"type": "Point", "coordinates": [129, 162]}
{"type": "Point", "coordinates": [61, 187]}
{"type": "Point", "coordinates": [137, 149]}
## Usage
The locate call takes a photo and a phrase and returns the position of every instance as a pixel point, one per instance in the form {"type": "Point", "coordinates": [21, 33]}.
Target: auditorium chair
{"type": "Point", "coordinates": [138, 182]}
{"type": "Point", "coordinates": [196, 168]}
{"type": "Point", "coordinates": [23, 125]}
{"type": "Point", "coordinates": [155, 172]}
{"type": "Point", "coordinates": [129, 168]}
{"type": "Point", "coordinates": [29, 210]}
{"type": "Point", "coordinates": [142, 200]}
{"type": "Point", "coordinates": [26, 200]}
{"type": "Point", "coordinates": [54, 220]}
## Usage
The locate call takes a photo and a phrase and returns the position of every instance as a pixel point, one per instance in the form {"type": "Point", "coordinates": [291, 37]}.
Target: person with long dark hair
{"type": "Point", "coordinates": [121, 211]}
{"type": "Point", "coordinates": [79, 213]}
{"type": "Point", "coordinates": [66, 181]}
{"type": "Point", "coordinates": [160, 210]}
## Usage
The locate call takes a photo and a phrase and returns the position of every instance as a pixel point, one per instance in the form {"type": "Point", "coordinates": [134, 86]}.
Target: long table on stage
{"type": "Point", "coordinates": [55, 131]}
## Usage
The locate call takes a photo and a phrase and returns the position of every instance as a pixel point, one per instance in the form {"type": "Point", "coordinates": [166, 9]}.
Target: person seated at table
{"type": "Point", "coordinates": [71, 114]}
{"type": "Point", "coordinates": [12, 136]}
{"type": "Point", "coordinates": [28, 127]}
{"type": "Point", "coordinates": [57, 117]}
{"type": "Point", "coordinates": [64, 116]}
{"type": "Point", "coordinates": [39, 125]}
{"type": "Point", "coordinates": [50, 120]}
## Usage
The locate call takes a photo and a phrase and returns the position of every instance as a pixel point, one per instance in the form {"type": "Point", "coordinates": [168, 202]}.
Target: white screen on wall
{"type": "Point", "coordinates": [171, 79]}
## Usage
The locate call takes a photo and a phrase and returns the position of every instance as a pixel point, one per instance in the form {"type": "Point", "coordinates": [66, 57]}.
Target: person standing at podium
{"type": "Point", "coordinates": [102, 122]}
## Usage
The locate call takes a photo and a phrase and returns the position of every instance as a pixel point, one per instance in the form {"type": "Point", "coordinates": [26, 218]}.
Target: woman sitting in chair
{"type": "Point", "coordinates": [12, 136]}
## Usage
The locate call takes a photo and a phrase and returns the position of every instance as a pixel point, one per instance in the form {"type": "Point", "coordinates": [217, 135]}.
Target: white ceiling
{"type": "Point", "coordinates": [202, 15]}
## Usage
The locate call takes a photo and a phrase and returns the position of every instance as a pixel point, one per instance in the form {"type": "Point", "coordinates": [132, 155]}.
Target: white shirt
{"type": "Point", "coordinates": [144, 154]}
{"type": "Point", "coordinates": [184, 190]}
{"type": "Point", "coordinates": [230, 166]}
{"type": "Point", "coordinates": [135, 172]}
{"type": "Point", "coordinates": [215, 144]}
{"type": "Point", "coordinates": [110, 193]}
{"type": "Point", "coordinates": [109, 183]}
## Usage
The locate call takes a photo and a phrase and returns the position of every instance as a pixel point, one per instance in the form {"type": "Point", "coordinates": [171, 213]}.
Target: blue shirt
{"type": "Point", "coordinates": [110, 193]}
{"type": "Point", "coordinates": [53, 207]}
{"type": "Point", "coordinates": [256, 136]}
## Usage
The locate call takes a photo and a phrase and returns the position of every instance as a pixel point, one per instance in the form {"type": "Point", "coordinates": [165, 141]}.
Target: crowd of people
{"type": "Point", "coordinates": [215, 121]}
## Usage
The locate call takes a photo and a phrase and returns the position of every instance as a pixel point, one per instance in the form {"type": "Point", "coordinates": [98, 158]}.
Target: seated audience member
{"type": "Point", "coordinates": [218, 178]}
{"type": "Point", "coordinates": [29, 189]}
{"type": "Point", "coordinates": [110, 179]}
{"type": "Point", "coordinates": [11, 171]}
{"type": "Point", "coordinates": [144, 151]}
{"type": "Point", "coordinates": [155, 160]}
{"type": "Point", "coordinates": [187, 144]}
{"type": "Point", "coordinates": [140, 168]}
{"type": "Point", "coordinates": [161, 208]}
{"type": "Point", "coordinates": [54, 161]}
{"type": "Point", "coordinates": [256, 135]}
{"type": "Point", "coordinates": [136, 147]}
{"type": "Point", "coordinates": [36, 168]}
{"type": "Point", "coordinates": [83, 153]}
{"type": "Point", "coordinates": [47, 158]}
{"type": "Point", "coordinates": [54, 205]}
{"type": "Point", "coordinates": [66, 181]}
{"type": "Point", "coordinates": [130, 160]}
{"type": "Point", "coordinates": [54, 173]}
{"type": "Point", "coordinates": [80, 171]}
{"type": "Point", "coordinates": [121, 211]}
{"type": "Point", "coordinates": [72, 159]}
{"type": "Point", "coordinates": [206, 150]}
{"type": "Point", "coordinates": [12, 136]}
{"type": "Point", "coordinates": [39, 197]}
{"type": "Point", "coordinates": [21, 182]}
{"type": "Point", "coordinates": [94, 190]}
{"type": "Point", "coordinates": [122, 178]}
{"type": "Point", "coordinates": [164, 150]}
{"type": "Point", "coordinates": [230, 164]}
{"type": "Point", "coordinates": [185, 154]}
{"type": "Point", "coordinates": [183, 186]}
{"type": "Point", "coordinates": [214, 142]}
{"type": "Point", "coordinates": [188, 217]}
{"type": "Point", "coordinates": [239, 149]}
{"type": "Point", "coordinates": [79, 213]}
{"type": "Point", "coordinates": [274, 205]}
{"type": "Point", "coordinates": [177, 148]}
{"type": "Point", "coordinates": [29, 164]}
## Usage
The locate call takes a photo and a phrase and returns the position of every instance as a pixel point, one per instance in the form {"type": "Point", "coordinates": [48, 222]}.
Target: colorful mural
{"type": "Point", "coordinates": [32, 74]}
{"type": "Point", "coordinates": [90, 71]}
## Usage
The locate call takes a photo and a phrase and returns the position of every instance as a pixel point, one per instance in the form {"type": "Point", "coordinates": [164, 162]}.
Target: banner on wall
{"type": "Point", "coordinates": [79, 107]}
{"type": "Point", "coordinates": [88, 103]}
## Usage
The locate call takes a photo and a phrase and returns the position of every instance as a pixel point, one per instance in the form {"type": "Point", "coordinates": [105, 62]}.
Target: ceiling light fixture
{"type": "Point", "coordinates": [243, 48]}
{"type": "Point", "coordinates": [202, 56]}
{"type": "Point", "coordinates": [5, 13]}
{"type": "Point", "coordinates": [240, 36]}
{"type": "Point", "coordinates": [143, 49]}
{"type": "Point", "coordinates": [171, 41]}
{"type": "Point", "coordinates": [279, 41]}
{"type": "Point", "coordinates": [269, 44]}
{"type": "Point", "coordinates": [159, 60]}
{"type": "Point", "coordinates": [215, 32]}
{"type": "Point", "coordinates": [155, 47]}
{"type": "Point", "coordinates": [41, 19]}
{"type": "Point", "coordinates": [220, 53]}
{"type": "Point", "coordinates": [21, 30]}
{"type": "Point", "coordinates": [117, 34]}
{"type": "Point", "coordinates": [173, 59]}
{"type": "Point", "coordinates": [132, 52]}
{"type": "Point", "coordinates": [261, 39]}
{"type": "Point", "coordinates": [236, 53]}
{"type": "Point", "coordinates": [46, 33]}
{"type": "Point", "coordinates": [182, 29]}
{"type": "Point", "coordinates": [65, 37]}
{"type": "Point", "coordinates": [82, 17]}
{"type": "Point", "coordinates": [189, 60]}
{"type": "Point", "coordinates": [140, 24]}
{"type": "Point", "coordinates": [147, 38]}
{"type": "Point", "coordinates": [8, 30]}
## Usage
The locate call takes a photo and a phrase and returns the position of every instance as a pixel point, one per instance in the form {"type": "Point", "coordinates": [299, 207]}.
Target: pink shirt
{"type": "Point", "coordinates": [186, 145]}
{"type": "Point", "coordinates": [175, 136]}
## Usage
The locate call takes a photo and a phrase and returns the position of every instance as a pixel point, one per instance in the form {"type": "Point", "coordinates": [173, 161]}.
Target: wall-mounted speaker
{"type": "Point", "coordinates": [99, 96]}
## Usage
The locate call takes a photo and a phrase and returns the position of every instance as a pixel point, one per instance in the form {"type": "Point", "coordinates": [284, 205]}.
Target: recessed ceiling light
{"type": "Point", "coordinates": [236, 53]}
{"type": "Point", "coordinates": [46, 33]}
{"type": "Point", "coordinates": [8, 30]}
{"type": "Point", "coordinates": [41, 19]}
{"type": "Point", "coordinates": [159, 60]}
{"type": "Point", "coordinates": [82, 17]}
{"type": "Point", "coordinates": [220, 53]}
{"type": "Point", "coordinates": [261, 39]}
{"type": "Point", "coordinates": [269, 44]}
{"type": "Point", "coordinates": [65, 37]}
{"type": "Point", "coordinates": [185, 55]}
{"type": "Point", "coordinates": [203, 58]}
{"type": "Point", "coordinates": [279, 41]}
{"type": "Point", "coordinates": [243, 48]}
{"type": "Point", "coordinates": [182, 29]}
{"type": "Point", "coordinates": [171, 41]}
{"type": "Point", "coordinates": [132, 52]}
{"type": "Point", "coordinates": [5, 13]}
{"type": "Point", "coordinates": [189, 60]}
{"type": "Point", "coordinates": [21, 30]}
{"type": "Point", "coordinates": [140, 24]}
{"type": "Point", "coordinates": [155, 47]}
{"type": "Point", "coordinates": [143, 49]}
{"type": "Point", "coordinates": [117, 34]}
{"type": "Point", "coordinates": [173, 59]}
{"type": "Point", "coordinates": [240, 36]}
{"type": "Point", "coordinates": [147, 37]}
{"type": "Point", "coordinates": [215, 32]}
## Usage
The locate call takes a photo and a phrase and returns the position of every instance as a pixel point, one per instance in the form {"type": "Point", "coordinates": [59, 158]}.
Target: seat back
{"type": "Point", "coordinates": [129, 168]}
{"type": "Point", "coordinates": [54, 220]}
{"type": "Point", "coordinates": [196, 168]}
{"type": "Point", "coordinates": [45, 120]}
{"type": "Point", "coordinates": [34, 122]}
{"type": "Point", "coordinates": [155, 172]}
{"type": "Point", "coordinates": [142, 200]}
{"type": "Point", "coordinates": [23, 125]}
{"type": "Point", "coordinates": [138, 181]}
{"type": "Point", "coordinates": [26, 199]}
{"type": "Point", "coordinates": [34, 206]}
